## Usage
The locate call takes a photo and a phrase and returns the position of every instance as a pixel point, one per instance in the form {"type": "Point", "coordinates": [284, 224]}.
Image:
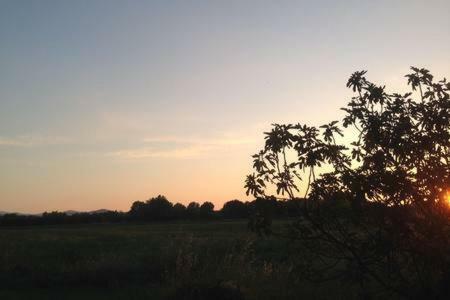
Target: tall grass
{"type": "Point", "coordinates": [190, 261]}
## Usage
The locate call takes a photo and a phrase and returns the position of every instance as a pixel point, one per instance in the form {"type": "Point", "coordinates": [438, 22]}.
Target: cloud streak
{"type": "Point", "coordinates": [226, 140]}
{"type": "Point", "coordinates": [181, 147]}
{"type": "Point", "coordinates": [31, 141]}
{"type": "Point", "coordinates": [180, 153]}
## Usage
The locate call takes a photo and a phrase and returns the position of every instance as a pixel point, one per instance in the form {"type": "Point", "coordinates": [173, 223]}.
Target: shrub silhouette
{"type": "Point", "coordinates": [207, 209]}
{"type": "Point", "coordinates": [158, 208]}
{"type": "Point", "coordinates": [382, 210]}
{"type": "Point", "coordinates": [179, 210]}
{"type": "Point", "coordinates": [193, 210]}
{"type": "Point", "coordinates": [235, 209]}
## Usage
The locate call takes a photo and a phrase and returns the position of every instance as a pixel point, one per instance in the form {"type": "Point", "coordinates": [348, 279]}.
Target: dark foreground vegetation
{"type": "Point", "coordinates": [171, 260]}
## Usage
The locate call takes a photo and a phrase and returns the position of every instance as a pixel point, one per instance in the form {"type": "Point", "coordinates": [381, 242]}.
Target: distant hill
{"type": "Point", "coordinates": [8, 212]}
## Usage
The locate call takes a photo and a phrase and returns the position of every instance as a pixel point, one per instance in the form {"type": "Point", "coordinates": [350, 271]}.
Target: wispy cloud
{"type": "Point", "coordinates": [181, 153]}
{"type": "Point", "coordinates": [181, 147]}
{"type": "Point", "coordinates": [224, 140]}
{"type": "Point", "coordinates": [30, 141]}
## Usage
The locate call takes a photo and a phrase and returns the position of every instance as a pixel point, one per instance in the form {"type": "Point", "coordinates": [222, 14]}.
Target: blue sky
{"type": "Point", "coordinates": [107, 102]}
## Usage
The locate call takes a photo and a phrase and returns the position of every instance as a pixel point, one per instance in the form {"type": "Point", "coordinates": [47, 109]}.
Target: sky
{"type": "Point", "coordinates": [103, 103]}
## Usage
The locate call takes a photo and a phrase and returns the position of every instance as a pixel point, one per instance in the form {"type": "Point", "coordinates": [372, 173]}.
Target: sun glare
{"type": "Point", "coordinates": [447, 198]}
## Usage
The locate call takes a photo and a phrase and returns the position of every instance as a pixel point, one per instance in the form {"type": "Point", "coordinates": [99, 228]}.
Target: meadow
{"type": "Point", "coordinates": [185, 260]}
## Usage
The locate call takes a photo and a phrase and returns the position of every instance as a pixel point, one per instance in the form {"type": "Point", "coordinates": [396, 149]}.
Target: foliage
{"type": "Point", "coordinates": [235, 209]}
{"type": "Point", "coordinates": [158, 208]}
{"type": "Point", "coordinates": [207, 210]}
{"type": "Point", "coordinates": [193, 210]}
{"type": "Point", "coordinates": [382, 210]}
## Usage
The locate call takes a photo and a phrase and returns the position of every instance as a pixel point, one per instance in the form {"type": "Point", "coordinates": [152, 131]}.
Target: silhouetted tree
{"type": "Point", "coordinates": [193, 210]}
{"type": "Point", "coordinates": [235, 209]}
{"type": "Point", "coordinates": [179, 210]}
{"type": "Point", "coordinates": [381, 214]}
{"type": "Point", "coordinates": [206, 210]}
{"type": "Point", "coordinates": [154, 209]}
{"type": "Point", "coordinates": [158, 208]}
{"type": "Point", "coordinates": [269, 207]}
{"type": "Point", "coordinates": [137, 210]}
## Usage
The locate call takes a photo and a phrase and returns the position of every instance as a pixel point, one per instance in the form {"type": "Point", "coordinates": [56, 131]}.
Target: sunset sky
{"type": "Point", "coordinates": [106, 102]}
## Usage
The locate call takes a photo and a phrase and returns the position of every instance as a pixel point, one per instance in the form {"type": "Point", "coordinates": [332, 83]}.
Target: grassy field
{"type": "Point", "coordinates": [152, 261]}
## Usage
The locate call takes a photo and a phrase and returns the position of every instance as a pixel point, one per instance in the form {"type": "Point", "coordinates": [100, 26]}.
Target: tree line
{"type": "Point", "coordinates": [159, 209]}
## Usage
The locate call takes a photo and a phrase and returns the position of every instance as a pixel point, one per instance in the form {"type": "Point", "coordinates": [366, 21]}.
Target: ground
{"type": "Point", "coordinates": [151, 261]}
